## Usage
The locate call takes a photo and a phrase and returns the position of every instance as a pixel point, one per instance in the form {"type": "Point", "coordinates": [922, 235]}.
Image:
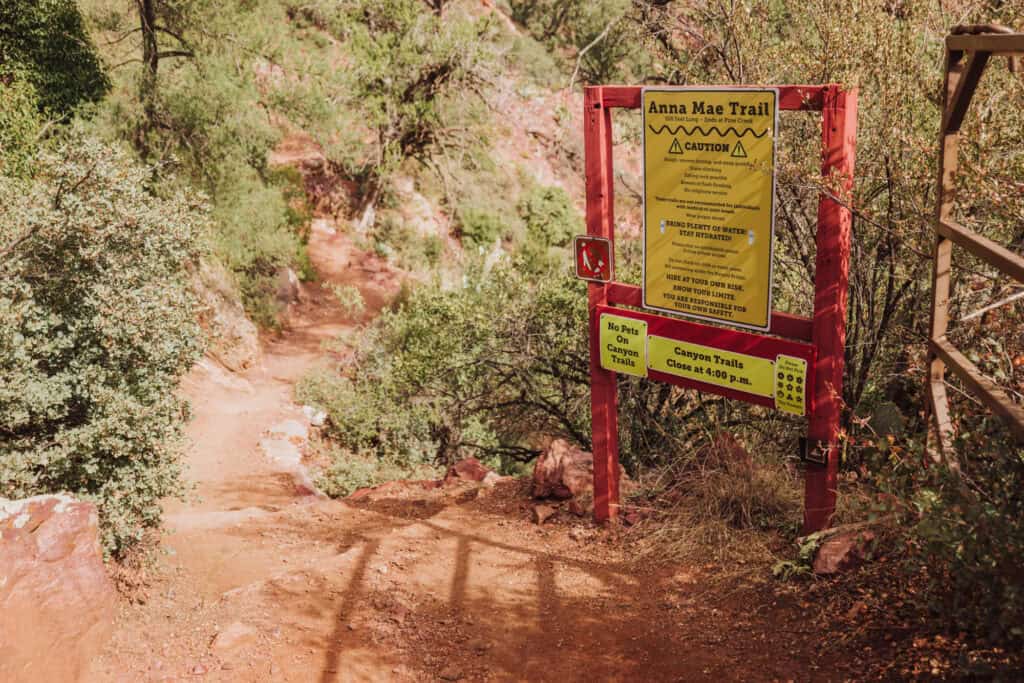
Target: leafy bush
{"type": "Point", "coordinates": [97, 325]}
{"type": "Point", "coordinates": [409, 87]}
{"type": "Point", "coordinates": [348, 472]}
{"type": "Point", "coordinates": [481, 228]}
{"type": "Point", "coordinates": [211, 131]}
{"type": "Point", "coordinates": [550, 217]}
{"type": "Point", "coordinates": [487, 369]}
{"type": "Point", "coordinates": [254, 239]}
{"type": "Point", "coordinates": [48, 41]}
{"type": "Point", "coordinates": [475, 371]}
{"type": "Point", "coordinates": [966, 524]}
{"type": "Point", "coordinates": [20, 124]}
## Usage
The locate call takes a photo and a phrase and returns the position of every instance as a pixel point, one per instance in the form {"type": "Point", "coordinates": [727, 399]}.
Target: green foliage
{"type": "Point", "coordinates": [350, 298]}
{"type": "Point", "coordinates": [48, 41]}
{"type": "Point", "coordinates": [410, 248]}
{"type": "Point", "coordinates": [479, 370]}
{"type": "Point", "coordinates": [807, 548]}
{"type": "Point", "coordinates": [484, 370]}
{"type": "Point", "coordinates": [348, 472]}
{"type": "Point", "coordinates": [20, 124]}
{"type": "Point", "coordinates": [966, 524]}
{"type": "Point", "coordinates": [409, 88]}
{"type": "Point", "coordinates": [254, 239]}
{"type": "Point", "coordinates": [600, 27]}
{"type": "Point", "coordinates": [211, 130]}
{"type": "Point", "coordinates": [482, 228]}
{"type": "Point", "coordinates": [97, 325]}
{"type": "Point", "coordinates": [406, 62]}
{"type": "Point", "coordinates": [550, 217]}
{"type": "Point", "coordinates": [534, 61]}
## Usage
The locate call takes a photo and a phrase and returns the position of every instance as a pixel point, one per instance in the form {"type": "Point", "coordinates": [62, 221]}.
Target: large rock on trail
{"type": "Point", "coordinates": [843, 549]}
{"type": "Point", "coordinates": [565, 471]}
{"type": "Point", "coordinates": [56, 600]}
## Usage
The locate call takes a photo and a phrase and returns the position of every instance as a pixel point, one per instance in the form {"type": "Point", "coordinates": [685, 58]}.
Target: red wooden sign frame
{"type": "Point", "coordinates": [826, 330]}
{"type": "Point", "coordinates": [720, 338]}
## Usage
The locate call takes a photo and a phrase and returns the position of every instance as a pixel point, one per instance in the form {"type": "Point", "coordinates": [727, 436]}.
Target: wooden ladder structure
{"type": "Point", "coordinates": [968, 51]}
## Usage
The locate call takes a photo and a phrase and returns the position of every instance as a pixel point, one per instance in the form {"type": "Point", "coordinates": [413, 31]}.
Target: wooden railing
{"type": "Point", "coordinates": [968, 51]}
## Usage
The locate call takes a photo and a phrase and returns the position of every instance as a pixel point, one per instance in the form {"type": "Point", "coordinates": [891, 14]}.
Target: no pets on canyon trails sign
{"type": "Point", "coordinates": [709, 202]}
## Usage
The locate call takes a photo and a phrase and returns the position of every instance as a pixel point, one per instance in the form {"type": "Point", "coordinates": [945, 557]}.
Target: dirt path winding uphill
{"type": "Point", "coordinates": [263, 581]}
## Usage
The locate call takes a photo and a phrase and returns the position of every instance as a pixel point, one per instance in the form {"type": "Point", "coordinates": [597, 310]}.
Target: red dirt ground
{"type": "Point", "coordinates": [261, 583]}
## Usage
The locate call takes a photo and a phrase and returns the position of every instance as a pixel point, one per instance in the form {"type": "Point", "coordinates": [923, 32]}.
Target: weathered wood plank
{"type": "Point", "coordinates": [997, 400]}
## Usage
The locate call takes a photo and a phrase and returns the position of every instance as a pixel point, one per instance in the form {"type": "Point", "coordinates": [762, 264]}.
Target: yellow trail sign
{"type": "Point", "coordinates": [709, 202]}
{"type": "Point", "coordinates": [623, 345]}
{"type": "Point", "coordinates": [738, 371]}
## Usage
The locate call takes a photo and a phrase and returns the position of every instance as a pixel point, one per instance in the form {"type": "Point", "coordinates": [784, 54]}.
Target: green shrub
{"type": "Point", "coordinates": [97, 325]}
{"type": "Point", "coordinates": [20, 124]}
{"type": "Point", "coordinates": [534, 61]}
{"type": "Point", "coordinates": [485, 370]}
{"type": "Point", "coordinates": [48, 41]}
{"type": "Point", "coordinates": [214, 133]}
{"type": "Point", "coordinates": [348, 472]}
{"type": "Point", "coordinates": [482, 228]}
{"type": "Point", "coordinates": [602, 27]}
{"type": "Point", "coordinates": [550, 217]}
{"type": "Point", "coordinates": [410, 89]}
{"type": "Point", "coordinates": [413, 250]}
{"type": "Point", "coordinates": [966, 524]}
{"type": "Point", "coordinates": [254, 239]}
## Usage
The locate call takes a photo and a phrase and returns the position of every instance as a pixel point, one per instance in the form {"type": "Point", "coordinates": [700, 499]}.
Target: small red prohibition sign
{"type": "Point", "coordinates": [593, 258]}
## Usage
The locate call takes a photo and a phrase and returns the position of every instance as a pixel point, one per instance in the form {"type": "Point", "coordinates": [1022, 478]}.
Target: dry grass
{"type": "Point", "coordinates": [133, 573]}
{"type": "Point", "coordinates": [722, 506]}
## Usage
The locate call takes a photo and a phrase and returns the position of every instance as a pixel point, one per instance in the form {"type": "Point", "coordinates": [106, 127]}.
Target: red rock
{"type": "Point", "coordinates": [842, 550]}
{"type": "Point", "coordinates": [451, 673]}
{"type": "Point", "coordinates": [469, 469]}
{"type": "Point", "coordinates": [542, 513]}
{"type": "Point", "coordinates": [582, 506]}
{"type": "Point", "coordinates": [56, 601]}
{"type": "Point", "coordinates": [563, 471]}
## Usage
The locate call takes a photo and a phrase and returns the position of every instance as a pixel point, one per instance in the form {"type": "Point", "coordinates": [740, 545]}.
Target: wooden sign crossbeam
{"type": "Point", "coordinates": [825, 331]}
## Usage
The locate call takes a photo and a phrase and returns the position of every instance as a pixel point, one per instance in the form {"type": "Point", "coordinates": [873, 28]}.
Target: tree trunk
{"type": "Point", "coordinates": [150, 64]}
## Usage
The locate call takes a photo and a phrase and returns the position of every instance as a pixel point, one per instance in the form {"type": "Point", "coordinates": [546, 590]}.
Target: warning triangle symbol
{"type": "Point", "coordinates": [738, 150]}
{"type": "Point", "coordinates": [676, 148]}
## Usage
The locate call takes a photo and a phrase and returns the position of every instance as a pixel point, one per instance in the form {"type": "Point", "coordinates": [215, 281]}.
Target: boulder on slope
{"type": "Point", "coordinates": [56, 600]}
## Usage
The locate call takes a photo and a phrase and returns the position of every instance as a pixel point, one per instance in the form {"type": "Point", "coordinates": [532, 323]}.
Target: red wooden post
{"type": "Point", "coordinates": [604, 401]}
{"type": "Point", "coordinates": [832, 265]}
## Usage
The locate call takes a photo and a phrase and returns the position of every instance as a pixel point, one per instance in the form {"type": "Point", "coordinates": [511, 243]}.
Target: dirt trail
{"type": "Point", "coordinates": [262, 581]}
